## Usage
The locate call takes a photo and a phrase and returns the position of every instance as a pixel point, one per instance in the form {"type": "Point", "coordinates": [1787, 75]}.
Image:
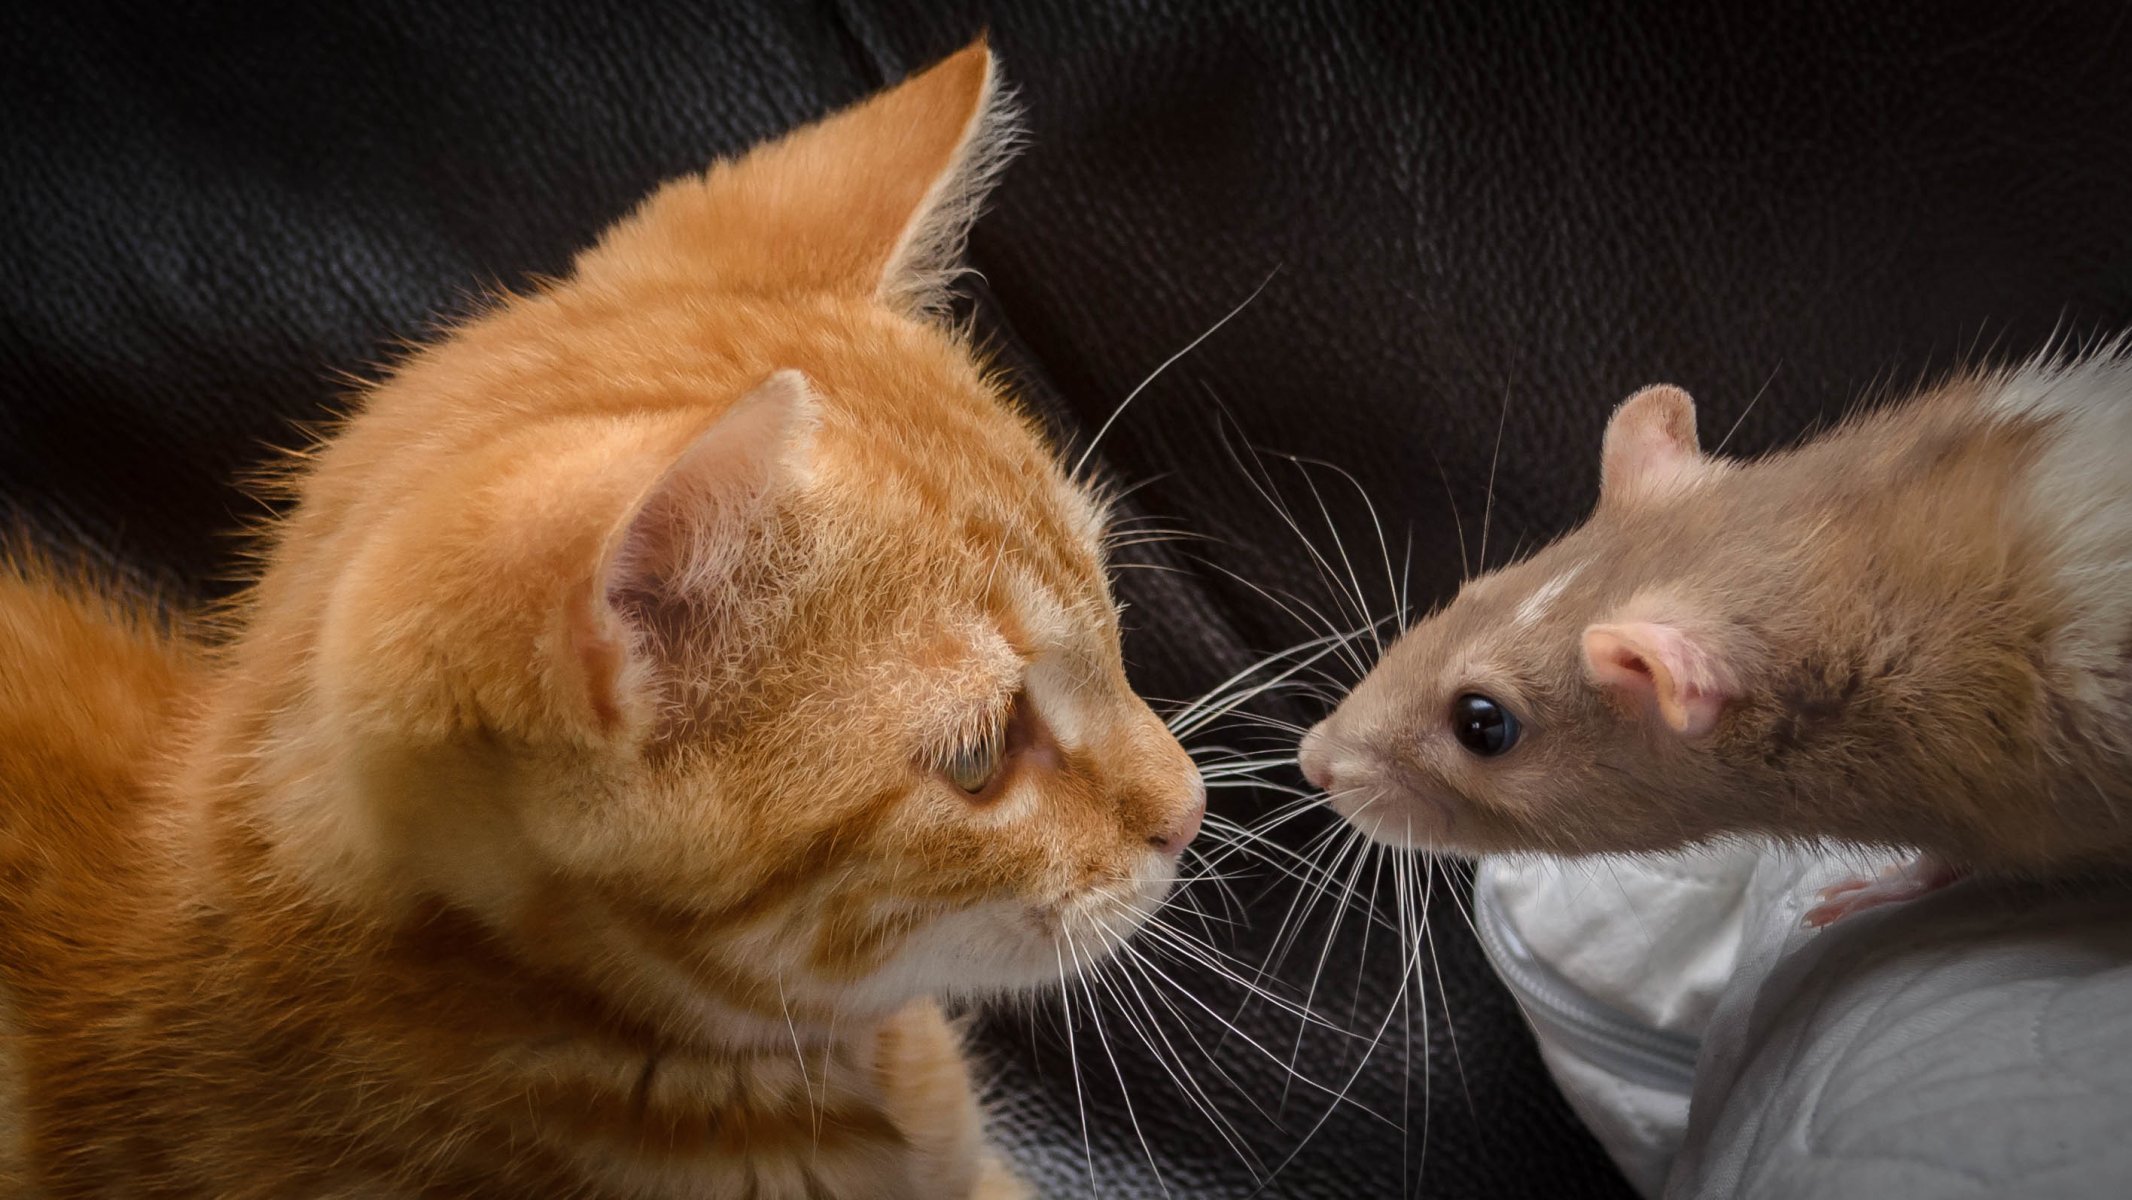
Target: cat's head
{"type": "Point", "coordinates": [711, 619]}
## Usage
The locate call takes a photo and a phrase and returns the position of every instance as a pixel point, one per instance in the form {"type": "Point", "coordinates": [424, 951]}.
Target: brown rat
{"type": "Point", "coordinates": [1914, 631]}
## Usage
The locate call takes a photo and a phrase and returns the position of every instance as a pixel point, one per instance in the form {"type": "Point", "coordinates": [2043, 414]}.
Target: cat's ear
{"type": "Point", "coordinates": [1658, 667]}
{"type": "Point", "coordinates": [1650, 447]}
{"type": "Point", "coordinates": [874, 201]}
{"type": "Point", "coordinates": [680, 546]}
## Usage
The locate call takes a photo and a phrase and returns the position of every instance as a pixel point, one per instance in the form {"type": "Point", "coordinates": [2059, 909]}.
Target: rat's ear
{"type": "Point", "coordinates": [1660, 666]}
{"type": "Point", "coordinates": [1650, 446]}
{"type": "Point", "coordinates": [681, 543]}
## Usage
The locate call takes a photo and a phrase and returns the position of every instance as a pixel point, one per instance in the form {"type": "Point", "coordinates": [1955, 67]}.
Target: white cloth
{"type": "Point", "coordinates": [1976, 1042]}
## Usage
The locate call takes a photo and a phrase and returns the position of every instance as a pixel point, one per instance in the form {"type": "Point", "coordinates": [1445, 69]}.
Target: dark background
{"type": "Point", "coordinates": [1474, 216]}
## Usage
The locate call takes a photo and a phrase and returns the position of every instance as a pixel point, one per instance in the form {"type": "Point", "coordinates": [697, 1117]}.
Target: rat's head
{"type": "Point", "coordinates": [1560, 703]}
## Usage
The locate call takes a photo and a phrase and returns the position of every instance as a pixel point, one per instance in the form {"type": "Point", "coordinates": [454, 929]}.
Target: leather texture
{"type": "Point", "coordinates": [1476, 226]}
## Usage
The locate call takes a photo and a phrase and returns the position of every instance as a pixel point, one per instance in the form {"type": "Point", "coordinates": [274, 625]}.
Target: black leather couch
{"type": "Point", "coordinates": [1475, 218]}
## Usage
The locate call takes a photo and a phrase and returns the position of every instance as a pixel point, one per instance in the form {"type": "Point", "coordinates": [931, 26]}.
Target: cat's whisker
{"type": "Point", "coordinates": [1103, 429]}
{"type": "Point", "coordinates": [1232, 918]}
{"type": "Point", "coordinates": [1151, 1031]}
{"type": "Point", "coordinates": [1162, 936]}
{"type": "Point", "coordinates": [1256, 839]}
{"type": "Point", "coordinates": [1193, 1090]}
{"type": "Point", "coordinates": [1073, 1058]}
{"type": "Point", "coordinates": [1140, 969]}
{"type": "Point", "coordinates": [1135, 520]}
{"type": "Point", "coordinates": [1247, 768]}
{"type": "Point", "coordinates": [1306, 871]}
{"type": "Point", "coordinates": [1278, 732]}
{"type": "Point", "coordinates": [1193, 868]}
{"type": "Point", "coordinates": [1112, 495]}
{"type": "Point", "coordinates": [1189, 994]}
{"type": "Point", "coordinates": [1259, 783]}
{"type": "Point", "coordinates": [1152, 539]}
{"type": "Point", "coordinates": [1133, 527]}
{"type": "Point", "coordinates": [1181, 947]}
{"type": "Point", "coordinates": [1241, 685]}
{"type": "Point", "coordinates": [1095, 1013]}
{"type": "Point", "coordinates": [800, 1055]}
{"type": "Point", "coordinates": [1270, 855]}
{"type": "Point", "coordinates": [1166, 568]}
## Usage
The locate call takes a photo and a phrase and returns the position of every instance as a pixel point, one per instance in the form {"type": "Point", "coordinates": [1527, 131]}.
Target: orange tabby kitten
{"type": "Point", "coordinates": [661, 691]}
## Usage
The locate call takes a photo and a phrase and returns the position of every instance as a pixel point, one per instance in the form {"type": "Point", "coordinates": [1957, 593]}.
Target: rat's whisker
{"type": "Point", "coordinates": [1458, 524]}
{"type": "Point", "coordinates": [1494, 457]}
{"type": "Point", "coordinates": [1266, 492]}
{"type": "Point", "coordinates": [1393, 588]}
{"type": "Point", "coordinates": [1751, 402]}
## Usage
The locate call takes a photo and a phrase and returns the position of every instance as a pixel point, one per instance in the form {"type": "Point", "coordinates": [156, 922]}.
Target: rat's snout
{"type": "Point", "coordinates": [1315, 757]}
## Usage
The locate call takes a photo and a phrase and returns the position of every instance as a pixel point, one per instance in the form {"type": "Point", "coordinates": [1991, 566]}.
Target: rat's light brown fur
{"type": "Point", "coordinates": [1910, 632]}
{"type": "Point", "coordinates": [563, 815]}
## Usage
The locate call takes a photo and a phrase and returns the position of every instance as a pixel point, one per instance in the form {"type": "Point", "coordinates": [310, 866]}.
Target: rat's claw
{"type": "Point", "coordinates": [1895, 884]}
{"type": "Point", "coordinates": [1854, 883]}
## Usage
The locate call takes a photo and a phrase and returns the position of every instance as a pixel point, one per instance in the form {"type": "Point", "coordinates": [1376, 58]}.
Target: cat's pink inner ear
{"type": "Point", "coordinates": [1650, 445]}
{"type": "Point", "coordinates": [686, 538]}
{"type": "Point", "coordinates": [1659, 667]}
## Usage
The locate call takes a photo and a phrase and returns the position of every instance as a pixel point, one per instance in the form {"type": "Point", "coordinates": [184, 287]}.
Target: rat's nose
{"type": "Point", "coordinates": [1180, 829]}
{"type": "Point", "coordinates": [1315, 759]}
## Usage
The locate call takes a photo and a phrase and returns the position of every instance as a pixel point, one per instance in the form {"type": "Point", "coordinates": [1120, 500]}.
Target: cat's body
{"type": "Point", "coordinates": [199, 1024]}
{"type": "Point", "coordinates": [662, 691]}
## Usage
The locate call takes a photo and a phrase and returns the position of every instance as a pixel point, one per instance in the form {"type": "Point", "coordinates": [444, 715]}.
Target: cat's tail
{"type": "Point", "coordinates": [92, 684]}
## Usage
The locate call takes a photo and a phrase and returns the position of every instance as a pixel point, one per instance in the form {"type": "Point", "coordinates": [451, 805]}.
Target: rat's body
{"type": "Point", "coordinates": [1914, 631]}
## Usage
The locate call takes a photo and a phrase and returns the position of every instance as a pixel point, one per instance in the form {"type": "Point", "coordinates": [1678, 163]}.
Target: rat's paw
{"type": "Point", "coordinates": [1895, 884]}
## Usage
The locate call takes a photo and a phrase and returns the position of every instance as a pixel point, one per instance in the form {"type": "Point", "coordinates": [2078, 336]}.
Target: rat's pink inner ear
{"type": "Point", "coordinates": [683, 541]}
{"type": "Point", "coordinates": [1650, 445]}
{"type": "Point", "coordinates": [1659, 667]}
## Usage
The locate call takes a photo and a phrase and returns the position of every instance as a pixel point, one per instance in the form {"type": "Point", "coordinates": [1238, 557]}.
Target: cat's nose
{"type": "Point", "coordinates": [1178, 831]}
{"type": "Point", "coordinates": [1315, 759]}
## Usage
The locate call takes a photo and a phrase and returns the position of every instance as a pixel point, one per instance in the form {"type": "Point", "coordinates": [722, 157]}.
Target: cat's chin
{"type": "Point", "coordinates": [1015, 947]}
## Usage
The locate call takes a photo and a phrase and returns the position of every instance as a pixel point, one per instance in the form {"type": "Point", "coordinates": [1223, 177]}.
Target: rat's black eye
{"type": "Point", "coordinates": [1483, 726]}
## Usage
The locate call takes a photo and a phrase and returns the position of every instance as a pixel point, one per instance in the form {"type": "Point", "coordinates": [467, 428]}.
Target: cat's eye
{"type": "Point", "coordinates": [975, 764]}
{"type": "Point", "coordinates": [972, 765]}
{"type": "Point", "coordinates": [1482, 725]}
